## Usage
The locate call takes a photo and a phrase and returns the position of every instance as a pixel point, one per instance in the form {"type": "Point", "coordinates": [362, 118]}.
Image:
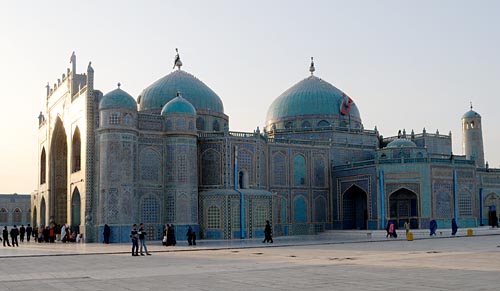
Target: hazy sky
{"type": "Point", "coordinates": [406, 64]}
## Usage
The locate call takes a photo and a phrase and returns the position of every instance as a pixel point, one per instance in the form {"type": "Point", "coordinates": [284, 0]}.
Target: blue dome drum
{"type": "Point", "coordinates": [117, 99]}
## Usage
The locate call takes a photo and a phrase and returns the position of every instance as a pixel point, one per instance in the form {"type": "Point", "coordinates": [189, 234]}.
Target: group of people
{"type": "Point", "coordinates": [138, 236]}
{"type": "Point", "coordinates": [433, 226]}
{"type": "Point", "coordinates": [49, 234]}
{"type": "Point", "coordinates": [14, 233]}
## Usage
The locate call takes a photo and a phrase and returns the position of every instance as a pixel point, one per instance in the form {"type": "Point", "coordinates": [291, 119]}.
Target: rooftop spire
{"type": "Point", "coordinates": [312, 68]}
{"type": "Point", "coordinates": [471, 105]}
{"type": "Point", "coordinates": [119, 84]}
{"type": "Point", "coordinates": [177, 60]}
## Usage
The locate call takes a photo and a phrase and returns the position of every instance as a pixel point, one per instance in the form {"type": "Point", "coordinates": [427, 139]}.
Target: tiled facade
{"type": "Point", "coordinates": [162, 158]}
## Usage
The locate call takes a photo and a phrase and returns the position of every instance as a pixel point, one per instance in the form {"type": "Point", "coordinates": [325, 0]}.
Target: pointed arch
{"type": "Point", "coordinates": [300, 210]}
{"type": "Point", "coordinates": [43, 167]}
{"type": "Point", "coordinates": [76, 208]}
{"type": "Point", "coordinates": [58, 195]}
{"type": "Point", "coordinates": [76, 152]}
{"type": "Point", "coordinates": [355, 208]}
{"type": "Point", "coordinates": [43, 212]}
{"type": "Point", "coordinates": [403, 207]}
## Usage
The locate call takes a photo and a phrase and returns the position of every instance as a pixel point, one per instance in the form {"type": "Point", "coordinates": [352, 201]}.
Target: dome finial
{"type": "Point", "coordinates": [119, 84]}
{"type": "Point", "coordinates": [179, 94]}
{"type": "Point", "coordinates": [177, 60]}
{"type": "Point", "coordinates": [471, 105]}
{"type": "Point", "coordinates": [312, 68]}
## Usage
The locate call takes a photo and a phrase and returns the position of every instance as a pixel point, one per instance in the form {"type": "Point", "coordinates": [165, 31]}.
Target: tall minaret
{"type": "Point", "coordinates": [472, 136]}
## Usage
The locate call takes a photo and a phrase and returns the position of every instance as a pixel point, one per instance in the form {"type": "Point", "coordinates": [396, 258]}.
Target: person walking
{"type": "Point", "coordinates": [133, 237]}
{"type": "Point", "coordinates": [14, 232]}
{"type": "Point", "coordinates": [5, 236]}
{"type": "Point", "coordinates": [191, 236]}
{"type": "Point", "coordinates": [454, 226]}
{"type": "Point", "coordinates": [106, 232]}
{"type": "Point", "coordinates": [268, 233]}
{"type": "Point", "coordinates": [22, 232]}
{"type": "Point", "coordinates": [407, 226]}
{"type": "Point", "coordinates": [433, 227]}
{"type": "Point", "coordinates": [142, 239]}
{"type": "Point", "coordinates": [29, 230]}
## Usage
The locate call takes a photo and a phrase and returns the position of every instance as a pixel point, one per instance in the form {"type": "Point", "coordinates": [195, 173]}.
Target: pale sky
{"type": "Point", "coordinates": [406, 64]}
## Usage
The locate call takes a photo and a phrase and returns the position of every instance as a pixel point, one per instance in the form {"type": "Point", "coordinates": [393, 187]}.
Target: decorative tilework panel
{"type": "Point", "coordinates": [464, 203]}
{"type": "Point", "coordinates": [150, 210]}
{"type": "Point", "coordinates": [442, 192]}
{"type": "Point", "coordinates": [245, 162]}
{"type": "Point", "coordinates": [213, 217]}
{"type": "Point", "coordinates": [319, 171]}
{"type": "Point", "coordinates": [299, 170]}
{"type": "Point", "coordinates": [300, 210]}
{"type": "Point", "coordinates": [211, 165]}
{"type": "Point", "coordinates": [150, 165]}
{"type": "Point", "coordinates": [319, 209]}
{"type": "Point", "coordinates": [279, 169]}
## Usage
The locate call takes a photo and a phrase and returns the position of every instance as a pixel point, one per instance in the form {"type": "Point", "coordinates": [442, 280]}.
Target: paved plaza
{"type": "Point", "coordinates": [332, 261]}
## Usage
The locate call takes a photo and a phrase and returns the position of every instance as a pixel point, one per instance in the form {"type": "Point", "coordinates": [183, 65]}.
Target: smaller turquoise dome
{"type": "Point", "coordinates": [401, 143]}
{"type": "Point", "coordinates": [471, 114]}
{"type": "Point", "coordinates": [178, 105]}
{"type": "Point", "coordinates": [118, 99]}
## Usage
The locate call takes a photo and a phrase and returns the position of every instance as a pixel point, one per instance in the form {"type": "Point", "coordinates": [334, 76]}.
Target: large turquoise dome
{"type": "Point", "coordinates": [312, 98]}
{"type": "Point", "coordinates": [117, 99]}
{"type": "Point", "coordinates": [178, 105]}
{"type": "Point", "coordinates": [165, 89]}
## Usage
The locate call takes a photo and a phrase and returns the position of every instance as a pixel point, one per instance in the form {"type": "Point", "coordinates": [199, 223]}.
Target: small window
{"type": "Point", "coordinates": [200, 123]}
{"type": "Point", "coordinates": [3, 215]}
{"type": "Point", "coordinates": [472, 124]}
{"type": "Point", "coordinates": [289, 124]}
{"type": "Point", "coordinates": [306, 124]}
{"type": "Point", "coordinates": [114, 118]}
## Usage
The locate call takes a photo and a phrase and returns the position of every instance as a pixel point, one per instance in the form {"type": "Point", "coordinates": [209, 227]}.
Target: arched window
{"type": "Point", "coordinates": [200, 123]}
{"type": "Point", "coordinates": [43, 167]}
{"type": "Point", "coordinates": [17, 217]}
{"type": "Point", "coordinates": [3, 215]}
{"type": "Point", "coordinates": [216, 125]}
{"type": "Point", "coordinates": [299, 170]}
{"type": "Point", "coordinates": [213, 217]}
{"type": "Point", "coordinates": [472, 124]}
{"type": "Point", "coordinates": [323, 123]}
{"type": "Point", "coordinates": [306, 124]}
{"type": "Point", "coordinates": [76, 151]}
{"type": "Point", "coordinates": [289, 125]}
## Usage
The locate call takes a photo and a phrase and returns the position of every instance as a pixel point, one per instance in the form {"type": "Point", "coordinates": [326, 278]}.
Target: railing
{"type": "Point", "coordinates": [408, 161]}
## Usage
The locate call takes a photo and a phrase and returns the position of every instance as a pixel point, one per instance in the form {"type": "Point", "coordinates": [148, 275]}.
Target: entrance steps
{"type": "Point", "coordinates": [367, 235]}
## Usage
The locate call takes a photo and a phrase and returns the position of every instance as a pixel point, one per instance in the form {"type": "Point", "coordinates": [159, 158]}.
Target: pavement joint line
{"type": "Point", "coordinates": [239, 247]}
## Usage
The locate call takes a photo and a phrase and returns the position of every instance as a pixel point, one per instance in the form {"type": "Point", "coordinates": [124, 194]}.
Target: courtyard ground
{"type": "Point", "coordinates": [332, 261]}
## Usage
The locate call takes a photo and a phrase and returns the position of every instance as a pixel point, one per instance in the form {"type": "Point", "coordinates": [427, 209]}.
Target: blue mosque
{"type": "Point", "coordinates": [169, 156]}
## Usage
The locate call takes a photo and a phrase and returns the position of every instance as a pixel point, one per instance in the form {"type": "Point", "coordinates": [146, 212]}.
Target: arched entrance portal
{"type": "Point", "coordinates": [58, 207]}
{"type": "Point", "coordinates": [491, 208]}
{"type": "Point", "coordinates": [403, 207]}
{"type": "Point", "coordinates": [75, 210]}
{"type": "Point", "coordinates": [355, 212]}
{"type": "Point", "coordinates": [43, 210]}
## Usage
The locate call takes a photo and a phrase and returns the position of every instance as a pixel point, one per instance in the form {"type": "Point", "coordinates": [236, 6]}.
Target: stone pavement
{"type": "Point", "coordinates": [323, 262]}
